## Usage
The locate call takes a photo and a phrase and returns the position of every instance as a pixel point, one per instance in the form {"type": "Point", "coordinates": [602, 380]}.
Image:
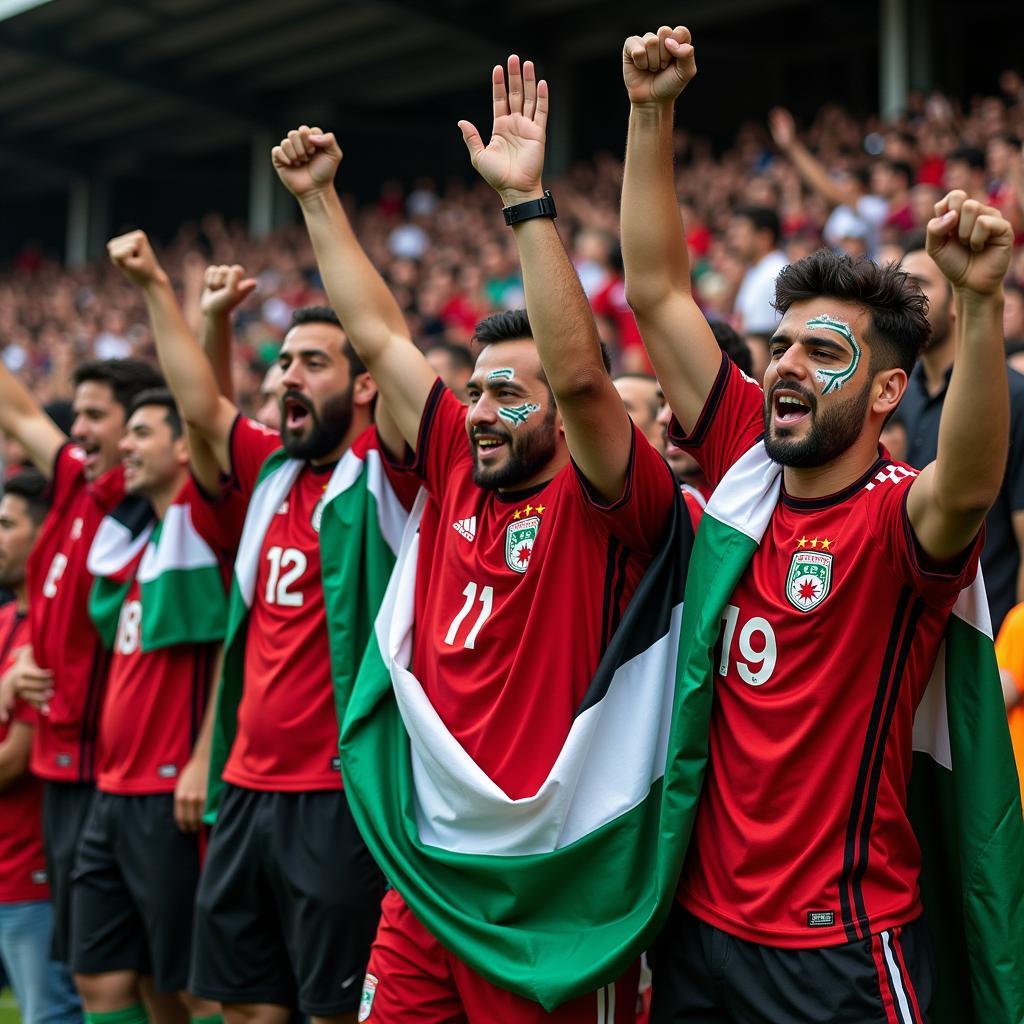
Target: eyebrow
{"type": "Point", "coordinates": [495, 385]}
{"type": "Point", "coordinates": [304, 353]}
{"type": "Point", "coordinates": [822, 341]}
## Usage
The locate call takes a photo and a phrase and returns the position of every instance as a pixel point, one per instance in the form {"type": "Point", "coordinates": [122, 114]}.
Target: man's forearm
{"type": "Point", "coordinates": [560, 315]}
{"type": "Point", "coordinates": [217, 346]}
{"type": "Point", "coordinates": [815, 174]}
{"type": "Point", "coordinates": [653, 243]}
{"type": "Point", "coordinates": [189, 374]}
{"type": "Point", "coordinates": [974, 429]}
{"type": "Point", "coordinates": [357, 291]}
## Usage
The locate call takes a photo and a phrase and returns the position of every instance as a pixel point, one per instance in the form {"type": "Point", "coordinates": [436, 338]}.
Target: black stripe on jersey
{"type": "Point", "coordinates": [620, 586]}
{"type": "Point", "coordinates": [874, 723]}
{"type": "Point", "coordinates": [696, 436]}
{"type": "Point", "coordinates": [91, 713]}
{"type": "Point", "coordinates": [916, 611]}
{"type": "Point", "coordinates": [648, 615]}
{"type": "Point", "coordinates": [831, 500]}
{"type": "Point", "coordinates": [422, 439]}
{"type": "Point", "coordinates": [609, 582]}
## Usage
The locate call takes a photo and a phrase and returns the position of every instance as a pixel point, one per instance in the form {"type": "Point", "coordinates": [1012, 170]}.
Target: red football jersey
{"type": "Point", "coordinates": [22, 864]}
{"type": "Point", "coordinates": [287, 736]}
{"type": "Point", "coordinates": [802, 837]}
{"type": "Point", "coordinates": [63, 636]}
{"type": "Point", "coordinates": [152, 709]}
{"type": "Point", "coordinates": [517, 595]}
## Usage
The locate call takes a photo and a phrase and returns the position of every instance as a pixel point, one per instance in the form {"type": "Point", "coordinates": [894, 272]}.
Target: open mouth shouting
{"type": "Point", "coordinates": [91, 452]}
{"type": "Point", "coordinates": [790, 407]}
{"type": "Point", "coordinates": [297, 411]}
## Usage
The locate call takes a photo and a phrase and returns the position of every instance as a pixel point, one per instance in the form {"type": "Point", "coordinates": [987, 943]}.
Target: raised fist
{"type": "Point", "coordinates": [134, 257]}
{"type": "Point", "coordinates": [657, 67]}
{"type": "Point", "coordinates": [971, 243]}
{"type": "Point", "coordinates": [306, 161]}
{"type": "Point", "coordinates": [224, 288]}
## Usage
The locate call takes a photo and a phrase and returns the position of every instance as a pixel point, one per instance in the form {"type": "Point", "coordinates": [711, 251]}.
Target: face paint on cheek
{"type": "Point", "coordinates": [833, 380]}
{"type": "Point", "coordinates": [518, 414]}
{"type": "Point", "coordinates": [502, 373]}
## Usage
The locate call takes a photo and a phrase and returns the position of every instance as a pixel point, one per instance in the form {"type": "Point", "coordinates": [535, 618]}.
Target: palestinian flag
{"type": "Point", "coordinates": [361, 524]}
{"type": "Point", "coordinates": [556, 894]}
{"type": "Point", "coordinates": [180, 582]}
{"type": "Point", "coordinates": [964, 798]}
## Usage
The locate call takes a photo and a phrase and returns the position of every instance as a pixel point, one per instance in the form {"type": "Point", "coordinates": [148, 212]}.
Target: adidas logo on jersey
{"type": "Point", "coordinates": [466, 527]}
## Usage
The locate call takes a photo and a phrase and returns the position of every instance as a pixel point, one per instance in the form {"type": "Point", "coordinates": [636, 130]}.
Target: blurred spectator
{"type": "Point", "coordinates": [754, 234]}
{"type": "Point", "coordinates": [641, 395]}
{"type": "Point", "coordinates": [453, 364]}
{"type": "Point", "coordinates": [920, 411]}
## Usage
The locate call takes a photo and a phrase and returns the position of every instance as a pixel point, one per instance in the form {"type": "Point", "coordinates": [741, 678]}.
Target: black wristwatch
{"type": "Point", "coordinates": [544, 207]}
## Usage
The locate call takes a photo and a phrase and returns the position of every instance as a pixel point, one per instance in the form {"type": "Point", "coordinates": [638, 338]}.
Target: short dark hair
{"type": "Point", "coordinates": [125, 377]}
{"type": "Point", "coordinates": [163, 398]}
{"type": "Point", "coordinates": [897, 307]}
{"type": "Point", "coordinates": [763, 218]}
{"type": "Point", "coordinates": [326, 315]}
{"type": "Point", "coordinates": [513, 325]}
{"type": "Point", "coordinates": [970, 155]}
{"type": "Point", "coordinates": [32, 487]}
{"type": "Point", "coordinates": [732, 345]}
{"type": "Point", "coordinates": [461, 357]}
{"type": "Point", "coordinates": [902, 168]}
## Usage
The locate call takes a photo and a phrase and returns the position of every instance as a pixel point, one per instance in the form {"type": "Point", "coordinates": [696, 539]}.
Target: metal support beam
{"type": "Point", "coordinates": [261, 186]}
{"type": "Point", "coordinates": [894, 48]}
{"type": "Point", "coordinates": [76, 237]}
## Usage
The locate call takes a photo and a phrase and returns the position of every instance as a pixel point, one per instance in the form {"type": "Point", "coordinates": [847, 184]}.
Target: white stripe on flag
{"type": "Point", "coordinates": [899, 990]}
{"type": "Point", "coordinates": [611, 1003]}
{"type": "Point", "coordinates": [601, 1018]}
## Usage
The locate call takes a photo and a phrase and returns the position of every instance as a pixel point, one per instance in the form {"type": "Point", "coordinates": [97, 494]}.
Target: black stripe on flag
{"type": "Point", "coordinates": [649, 613]}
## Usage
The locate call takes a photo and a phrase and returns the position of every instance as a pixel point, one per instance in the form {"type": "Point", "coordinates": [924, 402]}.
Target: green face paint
{"type": "Point", "coordinates": [504, 373]}
{"type": "Point", "coordinates": [518, 414]}
{"type": "Point", "coordinates": [833, 380]}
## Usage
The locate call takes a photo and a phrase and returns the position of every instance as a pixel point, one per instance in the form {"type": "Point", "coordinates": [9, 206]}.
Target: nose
{"type": "Point", "coordinates": [485, 410]}
{"type": "Point", "coordinates": [291, 379]}
{"type": "Point", "coordinates": [125, 445]}
{"type": "Point", "coordinates": [792, 365]}
{"type": "Point", "coordinates": [78, 427]}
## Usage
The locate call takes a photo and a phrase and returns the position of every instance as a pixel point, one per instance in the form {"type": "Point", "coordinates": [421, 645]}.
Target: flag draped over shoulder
{"type": "Point", "coordinates": [964, 798]}
{"type": "Point", "coordinates": [360, 529]}
{"type": "Point", "coordinates": [552, 895]}
{"type": "Point", "coordinates": [180, 583]}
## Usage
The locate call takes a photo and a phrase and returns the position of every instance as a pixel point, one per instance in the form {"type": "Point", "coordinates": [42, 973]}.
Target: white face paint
{"type": "Point", "coordinates": [835, 380]}
{"type": "Point", "coordinates": [518, 414]}
{"type": "Point", "coordinates": [500, 374]}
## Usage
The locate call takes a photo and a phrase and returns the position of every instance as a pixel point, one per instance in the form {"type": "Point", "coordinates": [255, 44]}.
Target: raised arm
{"type": "Point", "coordinates": [189, 375]}
{"type": "Point", "coordinates": [224, 289]}
{"type": "Point", "coordinates": [25, 421]}
{"type": "Point", "coordinates": [811, 169]}
{"type": "Point", "coordinates": [306, 162]}
{"type": "Point", "coordinates": [656, 68]}
{"type": "Point", "coordinates": [597, 427]}
{"type": "Point", "coordinates": [971, 244]}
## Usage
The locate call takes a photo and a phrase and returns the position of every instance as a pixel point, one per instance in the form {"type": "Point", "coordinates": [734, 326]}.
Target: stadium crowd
{"type": "Point", "coordinates": [289, 936]}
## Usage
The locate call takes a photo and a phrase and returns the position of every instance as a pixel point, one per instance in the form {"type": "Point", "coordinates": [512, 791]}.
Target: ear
{"type": "Point", "coordinates": [181, 456]}
{"type": "Point", "coordinates": [888, 389]}
{"type": "Point", "coordinates": [364, 390]}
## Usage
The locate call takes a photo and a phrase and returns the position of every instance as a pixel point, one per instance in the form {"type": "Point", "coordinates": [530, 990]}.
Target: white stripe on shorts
{"type": "Point", "coordinates": [898, 985]}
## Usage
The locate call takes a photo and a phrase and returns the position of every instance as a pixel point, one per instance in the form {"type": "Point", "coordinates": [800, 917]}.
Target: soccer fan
{"type": "Point", "coordinates": [641, 396]}
{"type": "Point", "coordinates": [540, 487]}
{"type": "Point", "coordinates": [290, 897]}
{"type": "Point", "coordinates": [42, 987]}
{"type": "Point", "coordinates": [800, 892]}
{"type": "Point", "coordinates": [63, 670]}
{"type": "Point", "coordinates": [453, 364]}
{"type": "Point", "coordinates": [754, 235]}
{"type": "Point", "coordinates": [159, 600]}
{"type": "Point", "coordinates": [921, 413]}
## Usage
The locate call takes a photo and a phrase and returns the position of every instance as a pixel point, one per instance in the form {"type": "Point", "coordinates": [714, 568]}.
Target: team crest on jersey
{"type": "Point", "coordinates": [520, 536]}
{"type": "Point", "coordinates": [809, 580]}
{"type": "Point", "coordinates": [318, 514]}
{"type": "Point", "coordinates": [366, 1003]}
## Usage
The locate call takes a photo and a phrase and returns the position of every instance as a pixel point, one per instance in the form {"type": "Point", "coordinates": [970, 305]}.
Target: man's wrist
{"type": "Point", "coordinates": [317, 200]}
{"type": "Point", "coordinates": [513, 196]}
{"type": "Point", "coordinates": [158, 282]}
{"type": "Point", "coordinates": [653, 111]}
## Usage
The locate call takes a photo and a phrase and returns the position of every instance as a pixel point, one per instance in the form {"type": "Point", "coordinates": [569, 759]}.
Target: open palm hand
{"type": "Point", "coordinates": [513, 161]}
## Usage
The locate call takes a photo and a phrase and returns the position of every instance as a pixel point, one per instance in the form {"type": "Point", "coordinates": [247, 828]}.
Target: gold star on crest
{"type": "Point", "coordinates": [539, 510]}
{"type": "Point", "coordinates": [802, 542]}
{"type": "Point", "coordinates": [826, 544]}
{"type": "Point", "coordinates": [517, 514]}
{"type": "Point", "coordinates": [814, 542]}
{"type": "Point", "coordinates": [529, 509]}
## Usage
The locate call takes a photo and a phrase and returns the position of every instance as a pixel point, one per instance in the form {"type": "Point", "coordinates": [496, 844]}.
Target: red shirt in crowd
{"type": "Point", "coordinates": [63, 636]}
{"type": "Point", "coordinates": [22, 864]}
{"type": "Point", "coordinates": [517, 595]}
{"type": "Point", "coordinates": [802, 837]}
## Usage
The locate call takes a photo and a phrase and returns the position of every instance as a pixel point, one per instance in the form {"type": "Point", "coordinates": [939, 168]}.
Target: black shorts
{"type": "Point", "coordinates": [133, 890]}
{"type": "Point", "coordinates": [703, 975]}
{"type": "Point", "coordinates": [288, 904]}
{"type": "Point", "coordinates": [65, 808]}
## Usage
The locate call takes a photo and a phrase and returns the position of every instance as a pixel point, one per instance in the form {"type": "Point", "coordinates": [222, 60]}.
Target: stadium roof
{"type": "Point", "coordinates": [96, 82]}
